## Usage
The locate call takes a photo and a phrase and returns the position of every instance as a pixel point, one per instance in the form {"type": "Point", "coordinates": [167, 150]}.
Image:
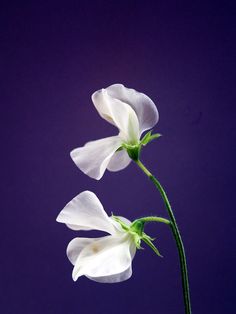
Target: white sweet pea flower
{"type": "Point", "coordinates": [106, 259]}
{"type": "Point", "coordinates": [132, 113]}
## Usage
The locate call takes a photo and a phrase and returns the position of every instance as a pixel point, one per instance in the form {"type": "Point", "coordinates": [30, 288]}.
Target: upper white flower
{"type": "Point", "coordinates": [105, 259]}
{"type": "Point", "coordinates": [132, 113]}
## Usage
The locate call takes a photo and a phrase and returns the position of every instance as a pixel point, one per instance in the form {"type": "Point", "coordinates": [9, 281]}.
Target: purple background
{"type": "Point", "coordinates": [53, 57]}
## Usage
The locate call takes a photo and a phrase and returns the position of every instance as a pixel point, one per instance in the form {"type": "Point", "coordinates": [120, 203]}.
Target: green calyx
{"type": "Point", "coordinates": [136, 229]}
{"type": "Point", "coordinates": [134, 150]}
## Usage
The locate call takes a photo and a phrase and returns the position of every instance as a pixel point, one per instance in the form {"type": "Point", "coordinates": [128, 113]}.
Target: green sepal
{"type": "Point", "coordinates": [148, 137]}
{"type": "Point", "coordinates": [123, 225]}
{"type": "Point", "coordinates": [148, 241]}
{"type": "Point", "coordinates": [119, 149]}
{"type": "Point", "coordinates": [154, 136]}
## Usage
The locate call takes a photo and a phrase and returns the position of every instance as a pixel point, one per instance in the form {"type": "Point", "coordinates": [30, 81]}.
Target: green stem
{"type": "Point", "coordinates": [155, 219]}
{"type": "Point", "coordinates": [177, 237]}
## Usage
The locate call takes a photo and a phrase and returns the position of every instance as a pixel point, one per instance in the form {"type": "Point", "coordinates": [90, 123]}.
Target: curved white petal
{"type": "Point", "coordinates": [119, 161]}
{"type": "Point", "coordinates": [143, 106]}
{"type": "Point", "coordinates": [85, 212]}
{"type": "Point", "coordinates": [114, 278]}
{"type": "Point", "coordinates": [94, 157]}
{"type": "Point", "coordinates": [76, 246]}
{"type": "Point", "coordinates": [77, 227]}
{"type": "Point", "coordinates": [109, 256]}
{"type": "Point", "coordinates": [117, 113]}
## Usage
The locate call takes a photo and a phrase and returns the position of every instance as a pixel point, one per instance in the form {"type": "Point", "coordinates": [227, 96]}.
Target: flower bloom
{"type": "Point", "coordinates": [106, 259]}
{"type": "Point", "coordinates": [132, 113]}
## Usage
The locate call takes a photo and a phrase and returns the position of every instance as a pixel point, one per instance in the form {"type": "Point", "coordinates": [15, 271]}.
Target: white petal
{"type": "Point", "coordinates": [143, 106]}
{"type": "Point", "coordinates": [107, 257]}
{"type": "Point", "coordinates": [77, 227]}
{"type": "Point", "coordinates": [119, 114]}
{"type": "Point", "coordinates": [76, 246]}
{"type": "Point", "coordinates": [85, 212]}
{"type": "Point", "coordinates": [94, 157]}
{"type": "Point", "coordinates": [114, 278]}
{"type": "Point", "coordinates": [119, 161]}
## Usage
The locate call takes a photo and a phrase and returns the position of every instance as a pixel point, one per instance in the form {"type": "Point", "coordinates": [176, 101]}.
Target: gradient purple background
{"type": "Point", "coordinates": [54, 55]}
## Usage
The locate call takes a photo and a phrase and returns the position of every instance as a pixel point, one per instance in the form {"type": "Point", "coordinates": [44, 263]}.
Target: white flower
{"type": "Point", "coordinates": [105, 259]}
{"type": "Point", "coordinates": [132, 113]}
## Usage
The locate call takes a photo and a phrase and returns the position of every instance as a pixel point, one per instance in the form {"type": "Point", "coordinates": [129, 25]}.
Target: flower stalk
{"type": "Point", "coordinates": [177, 237]}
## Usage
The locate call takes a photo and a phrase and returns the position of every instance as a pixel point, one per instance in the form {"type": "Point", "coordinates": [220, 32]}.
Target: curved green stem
{"type": "Point", "coordinates": [154, 219]}
{"type": "Point", "coordinates": [177, 237]}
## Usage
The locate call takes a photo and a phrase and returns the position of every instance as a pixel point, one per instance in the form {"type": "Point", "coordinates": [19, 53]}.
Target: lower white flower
{"type": "Point", "coordinates": [106, 259]}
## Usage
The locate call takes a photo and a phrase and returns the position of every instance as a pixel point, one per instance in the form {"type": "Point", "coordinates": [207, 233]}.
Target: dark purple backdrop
{"type": "Point", "coordinates": [53, 57]}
